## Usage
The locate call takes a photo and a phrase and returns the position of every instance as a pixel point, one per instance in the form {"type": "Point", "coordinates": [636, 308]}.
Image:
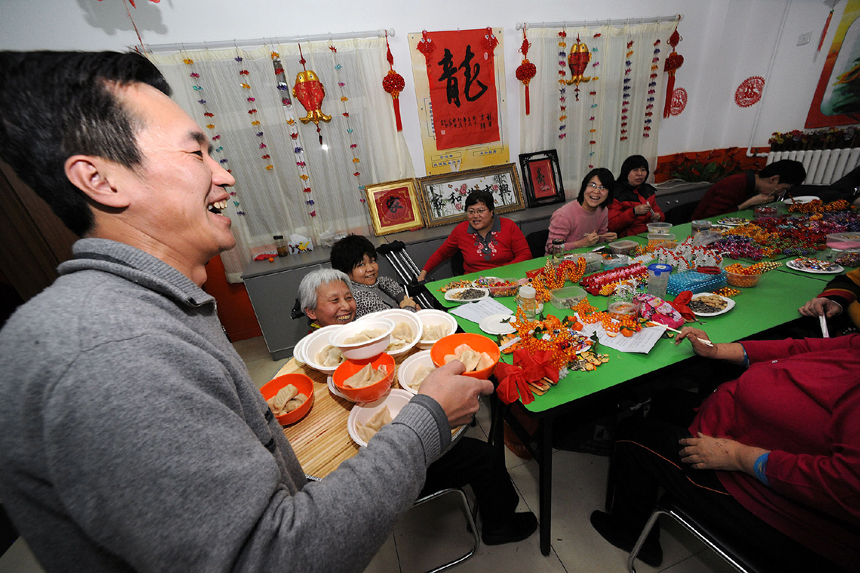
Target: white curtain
{"type": "Point", "coordinates": [602, 99]}
{"type": "Point", "coordinates": [273, 200]}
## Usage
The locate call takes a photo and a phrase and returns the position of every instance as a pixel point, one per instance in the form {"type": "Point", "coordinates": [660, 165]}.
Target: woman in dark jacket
{"type": "Point", "coordinates": [634, 202]}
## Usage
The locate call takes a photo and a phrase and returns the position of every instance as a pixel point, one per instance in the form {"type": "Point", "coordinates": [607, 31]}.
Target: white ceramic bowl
{"type": "Point", "coordinates": [432, 316]}
{"type": "Point", "coordinates": [316, 341]}
{"type": "Point", "coordinates": [410, 366]}
{"type": "Point", "coordinates": [363, 350]}
{"type": "Point", "coordinates": [299, 350]}
{"type": "Point", "coordinates": [395, 400]}
{"type": "Point", "coordinates": [399, 315]}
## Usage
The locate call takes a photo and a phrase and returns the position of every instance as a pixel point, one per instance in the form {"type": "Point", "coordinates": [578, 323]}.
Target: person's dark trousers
{"type": "Point", "coordinates": [477, 464]}
{"type": "Point", "coordinates": [646, 458]}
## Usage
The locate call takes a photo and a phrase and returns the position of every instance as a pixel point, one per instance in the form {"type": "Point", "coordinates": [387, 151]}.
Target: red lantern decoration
{"type": "Point", "coordinates": [673, 62]}
{"type": "Point", "coordinates": [426, 46]}
{"type": "Point", "coordinates": [393, 83]}
{"type": "Point", "coordinates": [577, 61]}
{"type": "Point", "coordinates": [527, 70]}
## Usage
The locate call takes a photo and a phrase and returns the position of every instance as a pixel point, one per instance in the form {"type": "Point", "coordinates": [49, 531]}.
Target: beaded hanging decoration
{"type": "Point", "coordinates": [251, 100]}
{"type": "Point", "coordinates": [592, 130]}
{"type": "Point", "coordinates": [217, 145]}
{"type": "Point", "coordinates": [652, 90]}
{"type": "Point", "coordinates": [295, 136]}
{"type": "Point", "coordinates": [625, 95]}
{"type": "Point", "coordinates": [562, 72]}
{"type": "Point", "coordinates": [353, 146]}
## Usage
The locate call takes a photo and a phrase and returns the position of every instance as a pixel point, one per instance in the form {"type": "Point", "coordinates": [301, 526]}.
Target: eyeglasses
{"type": "Point", "coordinates": [476, 211]}
{"type": "Point", "coordinates": [596, 186]}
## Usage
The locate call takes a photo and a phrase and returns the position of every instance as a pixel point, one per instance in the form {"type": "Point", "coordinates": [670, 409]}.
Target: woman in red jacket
{"type": "Point", "coordinates": [634, 202]}
{"type": "Point", "coordinates": [485, 240]}
{"type": "Point", "coordinates": [773, 456]}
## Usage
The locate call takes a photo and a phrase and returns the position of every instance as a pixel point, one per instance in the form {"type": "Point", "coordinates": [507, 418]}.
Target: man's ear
{"type": "Point", "coordinates": [94, 176]}
{"type": "Point", "coordinates": [773, 179]}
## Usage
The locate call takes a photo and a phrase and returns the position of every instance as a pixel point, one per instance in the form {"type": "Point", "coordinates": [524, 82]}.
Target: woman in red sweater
{"type": "Point", "coordinates": [485, 240]}
{"type": "Point", "coordinates": [634, 202]}
{"type": "Point", "coordinates": [773, 457]}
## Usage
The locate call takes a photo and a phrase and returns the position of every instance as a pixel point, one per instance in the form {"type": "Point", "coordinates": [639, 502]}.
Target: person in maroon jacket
{"type": "Point", "coordinates": [773, 456]}
{"type": "Point", "coordinates": [634, 202]}
{"type": "Point", "coordinates": [485, 240]}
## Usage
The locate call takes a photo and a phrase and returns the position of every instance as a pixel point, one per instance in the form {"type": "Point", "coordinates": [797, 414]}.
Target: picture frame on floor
{"type": "Point", "coordinates": [443, 197]}
{"type": "Point", "coordinates": [542, 178]}
{"type": "Point", "coordinates": [394, 207]}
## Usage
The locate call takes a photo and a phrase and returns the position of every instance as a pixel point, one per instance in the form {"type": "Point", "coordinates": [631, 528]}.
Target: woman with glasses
{"type": "Point", "coordinates": [584, 222]}
{"type": "Point", "coordinates": [634, 202]}
{"type": "Point", "coordinates": [485, 240]}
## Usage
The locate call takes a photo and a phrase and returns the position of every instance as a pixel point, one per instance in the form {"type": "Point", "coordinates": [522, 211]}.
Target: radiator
{"type": "Point", "coordinates": [823, 166]}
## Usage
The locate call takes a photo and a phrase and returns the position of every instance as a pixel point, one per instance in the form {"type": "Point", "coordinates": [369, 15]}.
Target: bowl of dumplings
{"type": "Point", "coordinates": [365, 420]}
{"type": "Point", "coordinates": [478, 353]}
{"type": "Point", "coordinates": [406, 333]}
{"type": "Point", "coordinates": [316, 351]}
{"type": "Point", "coordinates": [290, 397]}
{"type": "Point", "coordinates": [365, 381]}
{"type": "Point", "coordinates": [363, 339]}
{"type": "Point", "coordinates": [414, 370]}
{"type": "Point", "coordinates": [435, 325]}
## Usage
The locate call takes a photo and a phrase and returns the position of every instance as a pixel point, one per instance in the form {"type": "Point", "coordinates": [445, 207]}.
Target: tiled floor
{"type": "Point", "coordinates": [423, 540]}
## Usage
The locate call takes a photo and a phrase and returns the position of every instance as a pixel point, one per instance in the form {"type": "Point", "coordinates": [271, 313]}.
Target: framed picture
{"type": "Point", "coordinates": [444, 196]}
{"type": "Point", "coordinates": [394, 207]}
{"type": "Point", "coordinates": [542, 178]}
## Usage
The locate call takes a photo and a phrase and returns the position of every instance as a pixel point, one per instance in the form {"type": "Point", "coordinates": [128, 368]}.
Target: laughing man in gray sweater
{"type": "Point", "coordinates": [131, 437]}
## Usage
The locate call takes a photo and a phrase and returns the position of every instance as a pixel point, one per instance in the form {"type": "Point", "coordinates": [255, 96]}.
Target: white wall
{"type": "Point", "coordinates": [725, 41]}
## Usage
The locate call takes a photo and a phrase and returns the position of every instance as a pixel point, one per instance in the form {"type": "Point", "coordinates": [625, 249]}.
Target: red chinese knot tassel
{"type": "Point", "coordinates": [393, 83]}
{"type": "Point", "coordinates": [526, 70]}
{"type": "Point", "coordinates": [672, 63]}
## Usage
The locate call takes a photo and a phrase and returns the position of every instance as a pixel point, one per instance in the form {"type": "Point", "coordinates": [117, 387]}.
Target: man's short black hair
{"type": "Point", "coordinates": [57, 104]}
{"type": "Point", "coordinates": [484, 197]}
{"type": "Point", "coordinates": [789, 171]}
{"type": "Point", "coordinates": [348, 252]}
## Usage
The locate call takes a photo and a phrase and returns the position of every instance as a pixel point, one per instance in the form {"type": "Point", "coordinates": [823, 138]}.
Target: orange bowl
{"type": "Point", "coordinates": [302, 383]}
{"type": "Point", "coordinates": [368, 393]}
{"type": "Point", "coordinates": [476, 342]}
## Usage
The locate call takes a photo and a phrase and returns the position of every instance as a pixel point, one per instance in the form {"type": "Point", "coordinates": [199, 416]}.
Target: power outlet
{"type": "Point", "coordinates": [804, 39]}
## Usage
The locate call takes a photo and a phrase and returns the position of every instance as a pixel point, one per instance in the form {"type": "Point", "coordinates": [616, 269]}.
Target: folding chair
{"type": "Point", "coordinates": [396, 255]}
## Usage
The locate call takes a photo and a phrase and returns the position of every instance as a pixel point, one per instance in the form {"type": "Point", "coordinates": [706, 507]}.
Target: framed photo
{"type": "Point", "coordinates": [394, 207]}
{"type": "Point", "coordinates": [542, 178]}
{"type": "Point", "coordinates": [444, 196]}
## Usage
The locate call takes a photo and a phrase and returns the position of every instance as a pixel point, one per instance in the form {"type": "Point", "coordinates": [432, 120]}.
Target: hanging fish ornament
{"type": "Point", "coordinates": [578, 61]}
{"type": "Point", "coordinates": [310, 93]}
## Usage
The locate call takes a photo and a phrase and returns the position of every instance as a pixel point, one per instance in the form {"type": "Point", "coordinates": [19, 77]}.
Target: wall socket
{"type": "Point", "coordinates": [804, 39]}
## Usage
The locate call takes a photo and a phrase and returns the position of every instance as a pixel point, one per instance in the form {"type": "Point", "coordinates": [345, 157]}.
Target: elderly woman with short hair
{"type": "Point", "coordinates": [325, 296]}
{"type": "Point", "coordinates": [485, 240]}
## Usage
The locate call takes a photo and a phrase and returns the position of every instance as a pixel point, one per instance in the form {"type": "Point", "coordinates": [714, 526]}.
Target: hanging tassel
{"type": "Point", "coordinates": [670, 88]}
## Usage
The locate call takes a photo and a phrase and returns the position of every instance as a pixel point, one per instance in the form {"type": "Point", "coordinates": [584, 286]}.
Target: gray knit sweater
{"type": "Point", "coordinates": [131, 437]}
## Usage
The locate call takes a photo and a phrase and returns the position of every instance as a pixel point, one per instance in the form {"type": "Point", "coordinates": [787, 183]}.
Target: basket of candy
{"type": "Point", "coordinates": [498, 287]}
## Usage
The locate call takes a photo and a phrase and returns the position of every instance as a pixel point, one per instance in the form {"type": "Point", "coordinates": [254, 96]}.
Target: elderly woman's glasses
{"type": "Point", "coordinates": [596, 186]}
{"type": "Point", "coordinates": [476, 211]}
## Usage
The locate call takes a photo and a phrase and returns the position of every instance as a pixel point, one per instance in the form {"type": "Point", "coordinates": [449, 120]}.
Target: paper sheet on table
{"type": "Point", "coordinates": [641, 342]}
{"type": "Point", "coordinates": [477, 311]}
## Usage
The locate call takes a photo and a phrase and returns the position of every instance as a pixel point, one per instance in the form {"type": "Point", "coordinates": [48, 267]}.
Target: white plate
{"type": "Point", "coordinates": [793, 265]}
{"type": "Point", "coordinates": [410, 365]}
{"type": "Point", "coordinates": [801, 200]}
{"type": "Point", "coordinates": [729, 306]}
{"type": "Point", "coordinates": [485, 291]}
{"type": "Point", "coordinates": [395, 400]}
{"type": "Point", "coordinates": [333, 389]}
{"type": "Point", "coordinates": [732, 221]}
{"type": "Point", "coordinates": [494, 324]}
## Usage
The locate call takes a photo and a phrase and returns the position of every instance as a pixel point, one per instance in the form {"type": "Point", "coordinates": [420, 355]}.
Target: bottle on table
{"type": "Point", "coordinates": [527, 301]}
{"type": "Point", "coordinates": [281, 245]}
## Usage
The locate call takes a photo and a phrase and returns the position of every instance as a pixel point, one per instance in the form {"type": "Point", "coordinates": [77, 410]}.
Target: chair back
{"type": "Point", "coordinates": [537, 242]}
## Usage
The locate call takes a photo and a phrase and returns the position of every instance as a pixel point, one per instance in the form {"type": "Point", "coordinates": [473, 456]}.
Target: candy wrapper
{"type": "Point", "coordinates": [300, 244]}
{"type": "Point", "coordinates": [655, 309]}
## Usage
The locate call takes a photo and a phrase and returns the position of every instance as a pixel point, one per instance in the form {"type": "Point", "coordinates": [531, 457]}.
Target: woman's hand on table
{"type": "Point", "coordinates": [408, 302]}
{"type": "Point", "coordinates": [730, 352]}
{"type": "Point", "coordinates": [821, 306]}
{"type": "Point", "coordinates": [458, 395]}
{"type": "Point", "coordinates": [421, 276]}
{"type": "Point", "coordinates": [588, 240]}
{"type": "Point", "coordinates": [655, 216]}
{"type": "Point", "coordinates": [707, 453]}
{"type": "Point", "coordinates": [606, 237]}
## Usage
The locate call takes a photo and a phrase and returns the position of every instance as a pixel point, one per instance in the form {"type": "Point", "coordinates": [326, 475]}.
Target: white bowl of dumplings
{"type": "Point", "coordinates": [367, 419]}
{"type": "Point", "coordinates": [363, 339]}
{"type": "Point", "coordinates": [406, 333]}
{"type": "Point", "coordinates": [316, 351]}
{"type": "Point", "coordinates": [435, 324]}
{"type": "Point", "coordinates": [414, 370]}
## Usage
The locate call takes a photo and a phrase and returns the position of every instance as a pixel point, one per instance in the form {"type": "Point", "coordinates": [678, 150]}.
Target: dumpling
{"type": "Point", "coordinates": [400, 336]}
{"type": "Point", "coordinates": [435, 331]}
{"type": "Point", "coordinates": [364, 336]}
{"type": "Point", "coordinates": [329, 356]}
{"type": "Point", "coordinates": [366, 376]}
{"type": "Point", "coordinates": [471, 359]}
{"type": "Point", "coordinates": [373, 425]}
{"type": "Point", "coordinates": [420, 374]}
{"type": "Point", "coordinates": [286, 400]}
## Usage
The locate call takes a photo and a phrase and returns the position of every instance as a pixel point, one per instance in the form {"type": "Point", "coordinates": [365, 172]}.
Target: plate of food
{"type": "Point", "coordinates": [800, 200]}
{"type": "Point", "coordinates": [468, 294]}
{"type": "Point", "coordinates": [498, 324]}
{"type": "Point", "coordinates": [732, 221]}
{"type": "Point", "coordinates": [814, 266]}
{"type": "Point", "coordinates": [708, 304]}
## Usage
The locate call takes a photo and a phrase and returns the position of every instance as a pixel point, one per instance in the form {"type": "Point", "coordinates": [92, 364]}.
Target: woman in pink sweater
{"type": "Point", "coordinates": [585, 222]}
